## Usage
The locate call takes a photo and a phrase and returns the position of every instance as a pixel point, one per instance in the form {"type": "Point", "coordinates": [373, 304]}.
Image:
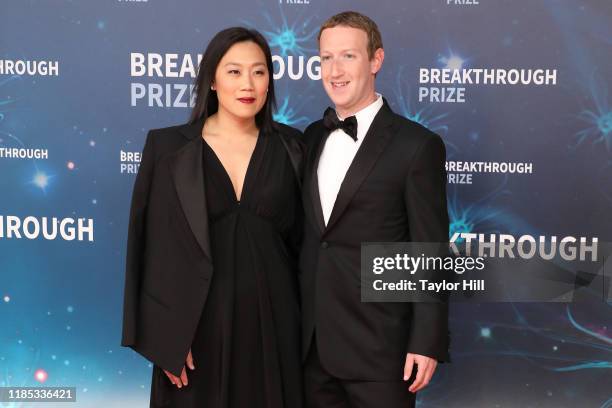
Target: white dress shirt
{"type": "Point", "coordinates": [338, 154]}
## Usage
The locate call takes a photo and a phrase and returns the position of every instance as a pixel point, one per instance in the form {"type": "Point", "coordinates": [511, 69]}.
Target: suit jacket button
{"type": "Point", "coordinates": [324, 245]}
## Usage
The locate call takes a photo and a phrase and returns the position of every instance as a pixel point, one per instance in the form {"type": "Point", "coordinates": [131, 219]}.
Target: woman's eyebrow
{"type": "Point", "coordinates": [240, 65]}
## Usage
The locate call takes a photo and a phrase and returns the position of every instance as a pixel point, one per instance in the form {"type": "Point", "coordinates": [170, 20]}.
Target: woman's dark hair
{"type": "Point", "coordinates": [206, 102]}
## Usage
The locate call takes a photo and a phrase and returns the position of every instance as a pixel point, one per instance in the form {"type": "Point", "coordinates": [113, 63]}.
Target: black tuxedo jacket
{"type": "Point", "coordinates": [394, 191]}
{"type": "Point", "coordinates": [169, 264]}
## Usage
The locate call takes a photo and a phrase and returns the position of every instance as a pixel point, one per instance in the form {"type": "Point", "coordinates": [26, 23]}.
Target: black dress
{"type": "Point", "coordinates": [246, 349]}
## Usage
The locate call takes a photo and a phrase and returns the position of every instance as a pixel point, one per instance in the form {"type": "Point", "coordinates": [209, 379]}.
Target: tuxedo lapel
{"type": "Point", "coordinates": [373, 144]}
{"type": "Point", "coordinates": [187, 172]}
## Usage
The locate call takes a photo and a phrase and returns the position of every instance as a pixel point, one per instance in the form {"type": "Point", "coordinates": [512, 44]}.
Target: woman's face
{"type": "Point", "coordinates": [241, 80]}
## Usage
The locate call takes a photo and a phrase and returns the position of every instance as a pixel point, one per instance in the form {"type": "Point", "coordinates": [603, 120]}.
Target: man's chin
{"type": "Point", "coordinates": [340, 103]}
{"type": "Point", "coordinates": [338, 98]}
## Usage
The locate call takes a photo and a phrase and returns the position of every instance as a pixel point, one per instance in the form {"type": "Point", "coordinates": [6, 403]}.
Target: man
{"type": "Point", "coordinates": [370, 176]}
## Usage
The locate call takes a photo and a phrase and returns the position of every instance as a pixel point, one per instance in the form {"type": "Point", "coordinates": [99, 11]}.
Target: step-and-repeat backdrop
{"type": "Point", "coordinates": [518, 90]}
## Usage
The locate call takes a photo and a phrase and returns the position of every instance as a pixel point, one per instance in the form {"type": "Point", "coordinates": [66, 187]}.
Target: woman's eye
{"type": "Point", "coordinates": [234, 72]}
{"type": "Point", "coordinates": [259, 73]}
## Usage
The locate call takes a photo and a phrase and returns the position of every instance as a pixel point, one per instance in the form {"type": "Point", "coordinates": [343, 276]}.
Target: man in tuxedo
{"type": "Point", "coordinates": [370, 176]}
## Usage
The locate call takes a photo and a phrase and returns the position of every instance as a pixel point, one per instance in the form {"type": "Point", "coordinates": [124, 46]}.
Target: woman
{"type": "Point", "coordinates": [211, 294]}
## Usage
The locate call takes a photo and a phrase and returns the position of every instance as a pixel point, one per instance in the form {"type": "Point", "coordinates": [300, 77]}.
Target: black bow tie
{"type": "Point", "coordinates": [348, 125]}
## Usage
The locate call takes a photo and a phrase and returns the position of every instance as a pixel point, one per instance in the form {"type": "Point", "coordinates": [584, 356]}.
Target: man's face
{"type": "Point", "coordinates": [346, 70]}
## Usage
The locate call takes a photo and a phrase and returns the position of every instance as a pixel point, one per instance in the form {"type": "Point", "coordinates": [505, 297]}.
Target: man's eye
{"type": "Point", "coordinates": [349, 56]}
{"type": "Point", "coordinates": [325, 58]}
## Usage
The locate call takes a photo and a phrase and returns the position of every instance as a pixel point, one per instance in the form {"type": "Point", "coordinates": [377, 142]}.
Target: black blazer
{"type": "Point", "coordinates": [169, 264]}
{"type": "Point", "coordinates": [394, 191]}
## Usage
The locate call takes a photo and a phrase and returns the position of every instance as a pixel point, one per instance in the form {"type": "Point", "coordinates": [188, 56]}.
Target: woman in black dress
{"type": "Point", "coordinates": [245, 349]}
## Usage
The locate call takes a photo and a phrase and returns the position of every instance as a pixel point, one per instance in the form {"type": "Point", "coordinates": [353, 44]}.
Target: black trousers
{"type": "Point", "coordinates": [323, 390]}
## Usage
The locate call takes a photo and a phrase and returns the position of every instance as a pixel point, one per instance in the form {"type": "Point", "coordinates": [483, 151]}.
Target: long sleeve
{"type": "Point", "coordinates": [136, 243]}
{"type": "Point", "coordinates": [296, 151]}
{"type": "Point", "coordinates": [425, 198]}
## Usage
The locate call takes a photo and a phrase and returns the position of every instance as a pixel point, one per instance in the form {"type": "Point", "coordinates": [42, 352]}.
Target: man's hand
{"type": "Point", "coordinates": [425, 370]}
{"type": "Point", "coordinates": [182, 380]}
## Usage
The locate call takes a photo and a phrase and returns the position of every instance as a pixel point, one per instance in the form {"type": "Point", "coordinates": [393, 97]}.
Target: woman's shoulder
{"type": "Point", "coordinates": [188, 130]}
{"type": "Point", "coordinates": [171, 136]}
{"type": "Point", "coordinates": [292, 140]}
{"type": "Point", "coordinates": [167, 140]}
{"type": "Point", "coordinates": [288, 131]}
{"type": "Point", "coordinates": [290, 136]}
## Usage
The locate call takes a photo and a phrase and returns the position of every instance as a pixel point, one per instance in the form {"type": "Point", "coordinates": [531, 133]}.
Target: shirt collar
{"type": "Point", "coordinates": [366, 116]}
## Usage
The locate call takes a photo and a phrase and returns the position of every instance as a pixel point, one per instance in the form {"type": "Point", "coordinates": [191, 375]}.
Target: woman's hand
{"type": "Point", "coordinates": [182, 380]}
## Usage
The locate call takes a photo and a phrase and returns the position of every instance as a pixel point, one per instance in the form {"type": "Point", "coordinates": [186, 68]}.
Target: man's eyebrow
{"type": "Point", "coordinates": [345, 50]}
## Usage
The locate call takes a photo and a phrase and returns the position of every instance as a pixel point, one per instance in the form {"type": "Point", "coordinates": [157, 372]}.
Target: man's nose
{"type": "Point", "coordinates": [336, 68]}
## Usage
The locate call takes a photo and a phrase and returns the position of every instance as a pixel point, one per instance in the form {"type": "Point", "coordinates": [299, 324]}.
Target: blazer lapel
{"type": "Point", "coordinates": [373, 144]}
{"type": "Point", "coordinates": [187, 172]}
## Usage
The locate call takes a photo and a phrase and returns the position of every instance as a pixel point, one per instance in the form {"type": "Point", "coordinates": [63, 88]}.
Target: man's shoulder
{"type": "Point", "coordinates": [312, 131]}
{"type": "Point", "coordinates": [314, 126]}
{"type": "Point", "coordinates": [413, 133]}
{"type": "Point", "coordinates": [411, 127]}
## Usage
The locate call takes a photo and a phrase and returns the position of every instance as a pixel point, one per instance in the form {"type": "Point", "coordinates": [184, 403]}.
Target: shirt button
{"type": "Point", "coordinates": [324, 245]}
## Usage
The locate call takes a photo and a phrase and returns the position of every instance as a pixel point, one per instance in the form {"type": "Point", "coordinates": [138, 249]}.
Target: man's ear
{"type": "Point", "coordinates": [377, 61]}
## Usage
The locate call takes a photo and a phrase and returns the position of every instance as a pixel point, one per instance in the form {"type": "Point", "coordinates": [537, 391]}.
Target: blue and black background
{"type": "Point", "coordinates": [60, 306]}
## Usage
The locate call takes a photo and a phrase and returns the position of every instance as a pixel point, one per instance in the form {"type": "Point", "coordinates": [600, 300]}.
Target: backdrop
{"type": "Point", "coordinates": [518, 90]}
